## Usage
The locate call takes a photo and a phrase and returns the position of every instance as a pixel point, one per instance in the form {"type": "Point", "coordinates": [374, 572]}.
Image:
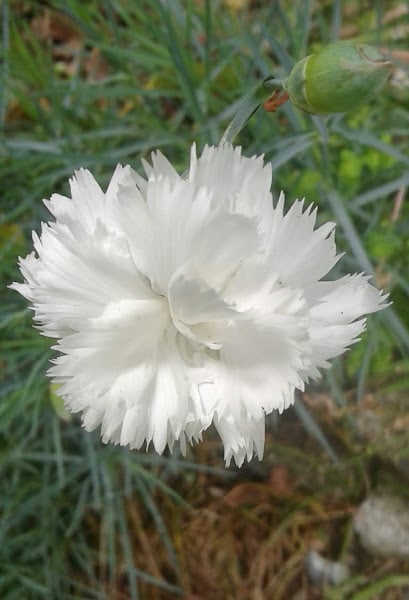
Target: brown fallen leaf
{"type": "Point", "coordinates": [53, 26]}
{"type": "Point", "coordinates": [248, 493]}
{"type": "Point", "coordinates": [280, 483]}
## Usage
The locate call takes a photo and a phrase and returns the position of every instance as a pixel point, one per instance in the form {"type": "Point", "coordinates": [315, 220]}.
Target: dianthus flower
{"type": "Point", "coordinates": [179, 302]}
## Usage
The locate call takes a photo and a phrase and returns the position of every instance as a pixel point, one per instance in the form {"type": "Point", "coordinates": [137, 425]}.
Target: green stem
{"type": "Point", "coordinates": [248, 107]}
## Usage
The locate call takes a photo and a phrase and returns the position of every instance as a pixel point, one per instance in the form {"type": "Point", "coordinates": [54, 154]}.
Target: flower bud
{"type": "Point", "coordinates": [339, 79]}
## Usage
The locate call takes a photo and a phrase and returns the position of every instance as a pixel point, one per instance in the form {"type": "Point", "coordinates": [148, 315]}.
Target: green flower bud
{"type": "Point", "coordinates": [339, 79]}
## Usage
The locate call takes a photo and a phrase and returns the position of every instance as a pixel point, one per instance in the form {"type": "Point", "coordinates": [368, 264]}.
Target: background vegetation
{"type": "Point", "coordinates": [99, 82]}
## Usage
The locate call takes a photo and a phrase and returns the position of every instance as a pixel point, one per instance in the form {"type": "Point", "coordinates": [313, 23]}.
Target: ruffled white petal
{"type": "Point", "coordinates": [224, 243]}
{"type": "Point", "coordinates": [300, 253]}
{"type": "Point", "coordinates": [74, 278]}
{"type": "Point", "coordinates": [86, 205]}
{"type": "Point", "coordinates": [261, 365]}
{"type": "Point", "coordinates": [336, 321]}
{"type": "Point", "coordinates": [242, 437]}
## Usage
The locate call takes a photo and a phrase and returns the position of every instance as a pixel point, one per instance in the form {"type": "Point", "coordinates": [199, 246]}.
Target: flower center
{"type": "Point", "coordinates": [197, 310]}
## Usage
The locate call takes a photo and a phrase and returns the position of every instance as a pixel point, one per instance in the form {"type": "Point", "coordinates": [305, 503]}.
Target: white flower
{"type": "Point", "coordinates": [178, 302]}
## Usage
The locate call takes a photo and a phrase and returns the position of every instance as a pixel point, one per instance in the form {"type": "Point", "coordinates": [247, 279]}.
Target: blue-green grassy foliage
{"type": "Point", "coordinates": [177, 72]}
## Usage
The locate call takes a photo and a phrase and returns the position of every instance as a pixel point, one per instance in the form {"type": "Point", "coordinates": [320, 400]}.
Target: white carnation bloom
{"type": "Point", "coordinates": [180, 302]}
